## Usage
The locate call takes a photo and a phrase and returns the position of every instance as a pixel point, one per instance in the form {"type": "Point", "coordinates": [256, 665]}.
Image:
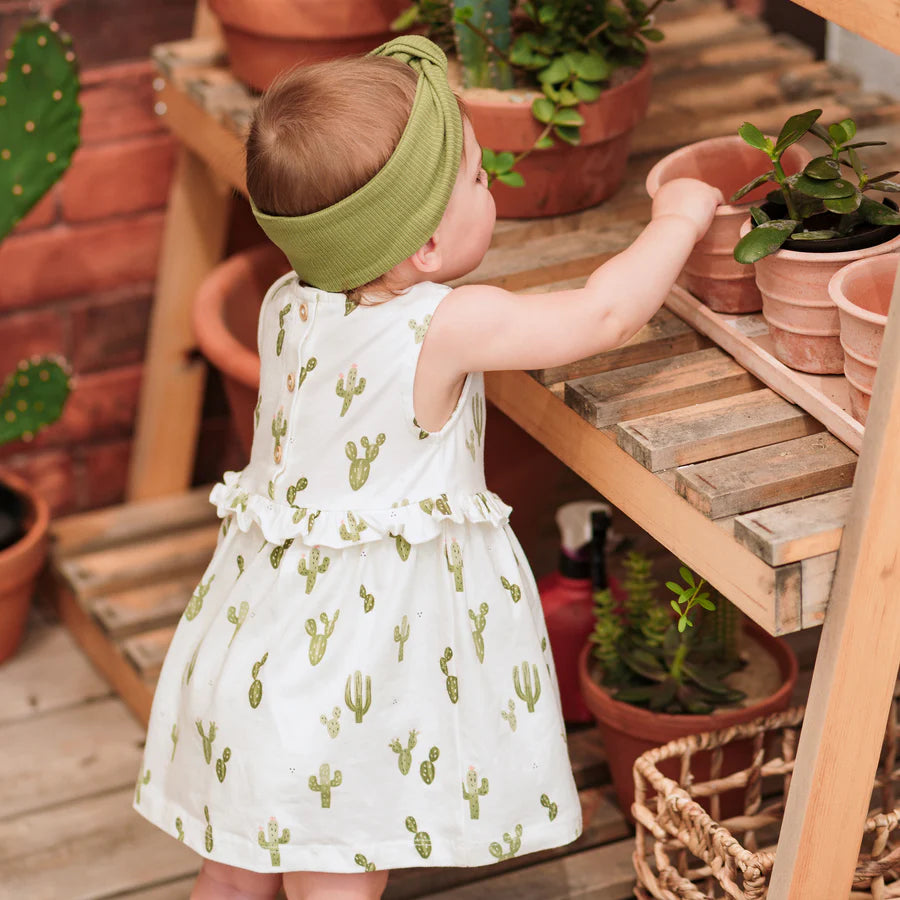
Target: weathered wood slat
{"type": "Point", "coordinates": [797, 530]}
{"type": "Point", "coordinates": [657, 386]}
{"type": "Point", "coordinates": [147, 650]}
{"type": "Point", "coordinates": [756, 478]}
{"type": "Point", "coordinates": [123, 613]}
{"type": "Point", "coordinates": [716, 428]}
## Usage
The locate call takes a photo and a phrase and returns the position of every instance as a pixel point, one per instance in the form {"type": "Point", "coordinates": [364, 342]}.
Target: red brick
{"type": "Point", "coordinates": [218, 451]}
{"type": "Point", "coordinates": [117, 102]}
{"type": "Point", "coordinates": [42, 214]}
{"type": "Point", "coordinates": [110, 331]}
{"type": "Point", "coordinates": [27, 334]}
{"type": "Point", "coordinates": [71, 260]}
{"type": "Point", "coordinates": [114, 179]}
{"type": "Point", "coordinates": [102, 474]}
{"type": "Point", "coordinates": [51, 473]}
{"type": "Point", "coordinates": [243, 229]}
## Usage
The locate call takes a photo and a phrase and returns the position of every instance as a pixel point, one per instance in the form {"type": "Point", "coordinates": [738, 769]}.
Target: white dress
{"type": "Point", "coordinates": [362, 679]}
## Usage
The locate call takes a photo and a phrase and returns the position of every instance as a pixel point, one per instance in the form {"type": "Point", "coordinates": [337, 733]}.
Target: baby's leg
{"type": "Point", "coordinates": [218, 881]}
{"type": "Point", "coordinates": [335, 885]}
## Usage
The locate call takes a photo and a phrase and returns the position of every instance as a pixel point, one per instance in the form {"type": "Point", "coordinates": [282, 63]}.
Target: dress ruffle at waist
{"type": "Point", "coordinates": [415, 522]}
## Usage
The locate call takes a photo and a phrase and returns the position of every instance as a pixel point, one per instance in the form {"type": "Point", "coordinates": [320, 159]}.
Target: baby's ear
{"type": "Point", "coordinates": [427, 258]}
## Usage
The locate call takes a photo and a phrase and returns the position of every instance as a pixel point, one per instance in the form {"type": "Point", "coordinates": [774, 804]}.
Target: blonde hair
{"type": "Point", "coordinates": [321, 132]}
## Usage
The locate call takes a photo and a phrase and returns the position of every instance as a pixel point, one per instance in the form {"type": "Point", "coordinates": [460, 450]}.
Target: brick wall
{"type": "Point", "coordinates": [77, 274]}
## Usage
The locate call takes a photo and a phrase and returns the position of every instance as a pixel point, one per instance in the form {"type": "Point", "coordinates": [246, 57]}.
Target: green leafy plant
{"type": "Point", "coordinates": [818, 203]}
{"type": "Point", "coordinates": [666, 658]}
{"type": "Point", "coordinates": [567, 49]}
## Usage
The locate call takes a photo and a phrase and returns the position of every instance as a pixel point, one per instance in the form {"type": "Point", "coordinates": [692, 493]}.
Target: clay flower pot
{"type": "Point", "coordinates": [711, 273]}
{"type": "Point", "coordinates": [862, 292]}
{"type": "Point", "coordinates": [264, 38]}
{"type": "Point", "coordinates": [628, 731]}
{"type": "Point", "coordinates": [20, 565]}
{"type": "Point", "coordinates": [563, 178]}
{"type": "Point", "coordinates": [803, 319]}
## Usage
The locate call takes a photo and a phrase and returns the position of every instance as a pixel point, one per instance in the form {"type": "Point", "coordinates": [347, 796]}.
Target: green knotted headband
{"type": "Point", "coordinates": [390, 217]}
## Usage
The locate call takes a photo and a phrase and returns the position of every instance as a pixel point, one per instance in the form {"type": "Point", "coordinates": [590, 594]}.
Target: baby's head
{"type": "Point", "coordinates": [321, 133]}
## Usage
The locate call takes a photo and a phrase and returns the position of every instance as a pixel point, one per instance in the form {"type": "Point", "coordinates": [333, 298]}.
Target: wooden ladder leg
{"type": "Point", "coordinates": [168, 418]}
{"type": "Point", "coordinates": [856, 667]}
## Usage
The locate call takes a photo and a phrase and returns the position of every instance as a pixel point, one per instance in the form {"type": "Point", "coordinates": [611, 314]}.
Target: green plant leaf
{"type": "Point", "coordinates": [889, 187]}
{"type": "Point", "coordinates": [856, 162]}
{"type": "Point", "coordinates": [591, 67]}
{"type": "Point", "coordinates": [820, 131]}
{"type": "Point", "coordinates": [568, 98]}
{"type": "Point", "coordinates": [877, 213]}
{"type": "Point", "coordinates": [687, 575]}
{"type": "Point", "coordinates": [759, 216]}
{"type": "Point", "coordinates": [754, 137]}
{"type": "Point", "coordinates": [674, 587]}
{"type": "Point", "coordinates": [866, 144]}
{"type": "Point", "coordinates": [706, 603]}
{"type": "Point", "coordinates": [776, 196]}
{"type": "Point", "coordinates": [503, 162]}
{"type": "Point", "coordinates": [544, 143]}
{"type": "Point", "coordinates": [568, 133]}
{"type": "Point", "coordinates": [683, 623]}
{"type": "Point", "coordinates": [764, 239]}
{"type": "Point", "coordinates": [546, 14]}
{"type": "Point", "coordinates": [652, 34]}
{"type": "Point", "coordinates": [760, 179]}
{"type": "Point", "coordinates": [824, 190]}
{"type": "Point", "coordinates": [406, 19]}
{"type": "Point", "coordinates": [542, 110]}
{"type": "Point", "coordinates": [462, 14]}
{"type": "Point", "coordinates": [488, 159]}
{"type": "Point", "coordinates": [844, 205]}
{"type": "Point", "coordinates": [636, 694]}
{"type": "Point", "coordinates": [586, 93]}
{"type": "Point", "coordinates": [821, 234]}
{"type": "Point", "coordinates": [568, 117]}
{"type": "Point", "coordinates": [794, 129]}
{"type": "Point", "coordinates": [823, 168]}
{"type": "Point", "coordinates": [557, 71]}
{"type": "Point", "coordinates": [513, 179]}
{"type": "Point", "coordinates": [674, 603]}
{"type": "Point", "coordinates": [842, 131]}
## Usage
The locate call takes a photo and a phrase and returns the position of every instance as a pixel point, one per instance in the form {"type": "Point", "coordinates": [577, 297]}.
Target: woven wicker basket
{"type": "Point", "coordinates": [684, 853]}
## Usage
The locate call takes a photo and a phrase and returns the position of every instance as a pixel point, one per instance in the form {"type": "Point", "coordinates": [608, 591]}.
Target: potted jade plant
{"type": "Point", "coordinates": [813, 223]}
{"type": "Point", "coordinates": [264, 38]}
{"type": "Point", "coordinates": [654, 670]}
{"type": "Point", "coordinates": [39, 121]}
{"type": "Point", "coordinates": [553, 91]}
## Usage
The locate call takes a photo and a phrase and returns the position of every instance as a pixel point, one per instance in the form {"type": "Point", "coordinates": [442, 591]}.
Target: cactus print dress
{"type": "Point", "coordinates": [362, 679]}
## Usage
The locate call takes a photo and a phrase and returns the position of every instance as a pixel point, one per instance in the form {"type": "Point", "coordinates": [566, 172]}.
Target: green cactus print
{"type": "Point", "coordinates": [514, 590]}
{"type": "Point", "coordinates": [404, 760]}
{"type": "Point", "coordinates": [325, 783]}
{"type": "Point", "coordinates": [422, 841]}
{"type": "Point", "coordinates": [427, 505]}
{"type": "Point", "coordinates": [179, 827]}
{"type": "Point", "coordinates": [189, 670]}
{"type": "Point", "coordinates": [483, 502]}
{"type": "Point", "coordinates": [367, 599]}
{"type": "Point", "coordinates": [294, 489]}
{"type": "Point", "coordinates": [359, 468]}
{"type": "Point", "coordinates": [360, 860]}
{"type": "Point", "coordinates": [354, 388]}
{"type": "Point", "coordinates": [277, 554]}
{"type": "Point", "coordinates": [496, 850]}
{"type": "Point", "coordinates": [479, 622]}
{"type": "Point", "coordinates": [419, 331]}
{"type": "Point", "coordinates": [240, 501]}
{"type": "Point", "coordinates": [226, 524]}
{"type": "Point", "coordinates": [551, 807]}
{"type": "Point", "coordinates": [220, 764]}
{"type": "Point", "coordinates": [240, 565]}
{"type": "Point", "coordinates": [426, 767]}
{"type": "Point", "coordinates": [256, 411]}
{"type": "Point", "coordinates": [279, 430]}
{"type": "Point", "coordinates": [207, 739]}
{"type": "Point", "coordinates": [452, 684]}
{"type": "Point", "coordinates": [422, 432]}
{"type": "Point", "coordinates": [478, 415]}
{"type": "Point", "coordinates": [356, 704]}
{"type": "Point", "coordinates": [350, 305]}
{"type": "Point", "coordinates": [237, 618]}
{"type": "Point", "coordinates": [471, 791]}
{"type": "Point", "coordinates": [312, 571]}
{"type": "Point", "coordinates": [256, 688]}
{"type": "Point", "coordinates": [318, 642]}
{"type": "Point", "coordinates": [471, 446]}
{"type": "Point", "coordinates": [403, 546]}
{"type": "Point", "coordinates": [174, 736]}
{"type": "Point", "coordinates": [195, 604]}
{"type": "Point", "coordinates": [529, 689]}
{"type": "Point", "coordinates": [333, 724]}
{"type": "Point", "coordinates": [305, 370]}
{"type": "Point", "coordinates": [269, 840]}
{"type": "Point", "coordinates": [279, 343]}
{"type": "Point", "coordinates": [142, 780]}
{"type": "Point", "coordinates": [357, 526]}
{"type": "Point", "coordinates": [209, 831]}
{"type": "Point", "coordinates": [313, 515]}
{"type": "Point", "coordinates": [271, 489]}
{"type": "Point", "coordinates": [455, 563]}
{"type": "Point", "coordinates": [510, 716]}
{"type": "Point", "coordinates": [401, 635]}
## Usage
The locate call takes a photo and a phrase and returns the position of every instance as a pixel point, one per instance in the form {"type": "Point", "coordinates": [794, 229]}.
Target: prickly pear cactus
{"type": "Point", "coordinates": [221, 763]}
{"type": "Point", "coordinates": [319, 642]}
{"type": "Point", "coordinates": [479, 620]}
{"type": "Point", "coordinates": [550, 807]}
{"type": "Point", "coordinates": [34, 394]}
{"type": "Point", "coordinates": [510, 715]}
{"type": "Point", "coordinates": [256, 687]}
{"type": "Point", "coordinates": [422, 840]}
{"type": "Point", "coordinates": [452, 683]}
{"type": "Point", "coordinates": [360, 860]}
{"type": "Point", "coordinates": [426, 767]}
{"type": "Point", "coordinates": [39, 117]}
{"type": "Point", "coordinates": [404, 760]}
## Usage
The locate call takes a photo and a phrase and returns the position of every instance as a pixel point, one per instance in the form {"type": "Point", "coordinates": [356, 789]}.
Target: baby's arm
{"type": "Point", "coordinates": [483, 328]}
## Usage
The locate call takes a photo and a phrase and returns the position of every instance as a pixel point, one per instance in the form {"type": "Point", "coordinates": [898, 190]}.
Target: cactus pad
{"type": "Point", "coordinates": [33, 396]}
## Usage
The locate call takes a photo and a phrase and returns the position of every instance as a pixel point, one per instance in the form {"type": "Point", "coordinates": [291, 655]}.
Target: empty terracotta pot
{"type": "Point", "coordinates": [563, 178]}
{"type": "Point", "coordinates": [862, 292]}
{"type": "Point", "coordinates": [712, 273]}
{"type": "Point", "coordinates": [803, 319]}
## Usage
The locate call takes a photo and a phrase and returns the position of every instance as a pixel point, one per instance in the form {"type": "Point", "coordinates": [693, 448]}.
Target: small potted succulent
{"type": "Point", "coordinates": [553, 91]}
{"type": "Point", "coordinates": [813, 223]}
{"type": "Point", "coordinates": [39, 121]}
{"type": "Point", "coordinates": [652, 671]}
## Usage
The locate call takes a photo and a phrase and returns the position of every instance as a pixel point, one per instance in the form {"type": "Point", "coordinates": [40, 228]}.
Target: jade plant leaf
{"type": "Point", "coordinates": [877, 213]}
{"type": "Point", "coordinates": [842, 131]}
{"type": "Point", "coordinates": [750, 186]}
{"type": "Point", "coordinates": [823, 168]}
{"type": "Point", "coordinates": [844, 205]}
{"type": "Point", "coordinates": [820, 234]}
{"type": "Point", "coordinates": [754, 137]}
{"type": "Point", "coordinates": [795, 128]}
{"type": "Point", "coordinates": [824, 190]}
{"type": "Point", "coordinates": [890, 187]}
{"type": "Point", "coordinates": [764, 239]}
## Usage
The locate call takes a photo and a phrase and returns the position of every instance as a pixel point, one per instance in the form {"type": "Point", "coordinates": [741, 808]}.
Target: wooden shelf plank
{"type": "Point", "coordinates": [875, 20]}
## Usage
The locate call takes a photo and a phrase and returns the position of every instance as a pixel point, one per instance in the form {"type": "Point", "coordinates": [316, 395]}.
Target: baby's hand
{"type": "Point", "coordinates": [693, 200]}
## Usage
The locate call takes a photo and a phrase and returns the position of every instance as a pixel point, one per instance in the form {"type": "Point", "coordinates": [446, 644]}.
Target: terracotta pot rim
{"type": "Point", "coordinates": [13, 554]}
{"type": "Point", "coordinates": [698, 723]}
{"type": "Point", "coordinates": [844, 303]}
{"type": "Point", "coordinates": [216, 342]}
{"type": "Point", "coordinates": [845, 256]}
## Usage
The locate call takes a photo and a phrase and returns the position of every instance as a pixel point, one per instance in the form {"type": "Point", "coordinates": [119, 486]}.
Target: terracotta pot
{"type": "Point", "coordinates": [563, 178]}
{"type": "Point", "coordinates": [20, 565]}
{"type": "Point", "coordinates": [862, 292]}
{"type": "Point", "coordinates": [264, 39]}
{"type": "Point", "coordinates": [803, 320]}
{"type": "Point", "coordinates": [628, 731]}
{"type": "Point", "coordinates": [728, 163]}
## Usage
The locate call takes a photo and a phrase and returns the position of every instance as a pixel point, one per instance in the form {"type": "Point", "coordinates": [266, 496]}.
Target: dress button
{"type": "Point", "coordinates": [290, 381]}
{"type": "Point", "coordinates": [278, 454]}
{"type": "Point", "coordinates": [303, 312]}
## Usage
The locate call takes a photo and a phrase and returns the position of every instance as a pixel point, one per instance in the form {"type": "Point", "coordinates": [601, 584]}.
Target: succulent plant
{"type": "Point", "coordinates": [32, 397]}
